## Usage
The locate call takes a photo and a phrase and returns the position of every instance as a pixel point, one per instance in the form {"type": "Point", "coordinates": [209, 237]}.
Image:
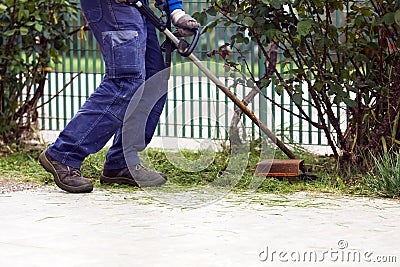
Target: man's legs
{"type": "Point", "coordinates": [121, 34]}
{"type": "Point", "coordinates": [154, 64]}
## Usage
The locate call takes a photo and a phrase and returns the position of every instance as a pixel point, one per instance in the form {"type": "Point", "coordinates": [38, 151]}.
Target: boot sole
{"type": "Point", "coordinates": [46, 164]}
{"type": "Point", "coordinates": [127, 181]}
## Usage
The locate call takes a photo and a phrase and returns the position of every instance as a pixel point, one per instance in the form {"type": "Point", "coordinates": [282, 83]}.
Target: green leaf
{"type": "Point", "coordinates": [277, 4]}
{"type": "Point", "coordinates": [337, 100]}
{"type": "Point", "coordinates": [388, 18]}
{"type": "Point", "coordinates": [212, 11]}
{"type": "Point", "coordinates": [9, 33]}
{"type": "Point", "coordinates": [270, 34]}
{"type": "Point", "coordinates": [250, 83]}
{"type": "Point", "coordinates": [304, 27]}
{"type": "Point", "coordinates": [350, 102]}
{"type": "Point", "coordinates": [297, 98]}
{"type": "Point", "coordinates": [3, 7]}
{"type": "Point", "coordinates": [201, 17]}
{"type": "Point", "coordinates": [23, 30]}
{"type": "Point", "coordinates": [38, 27]}
{"type": "Point", "coordinates": [279, 89]}
{"type": "Point", "coordinates": [264, 84]}
{"type": "Point", "coordinates": [318, 86]}
{"type": "Point", "coordinates": [397, 17]}
{"type": "Point", "coordinates": [249, 21]}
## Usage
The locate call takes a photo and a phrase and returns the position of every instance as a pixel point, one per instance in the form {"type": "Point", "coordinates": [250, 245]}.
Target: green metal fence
{"type": "Point", "coordinates": [194, 109]}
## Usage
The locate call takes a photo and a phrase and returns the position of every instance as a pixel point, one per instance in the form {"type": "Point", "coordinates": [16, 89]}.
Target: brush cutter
{"type": "Point", "coordinates": [282, 168]}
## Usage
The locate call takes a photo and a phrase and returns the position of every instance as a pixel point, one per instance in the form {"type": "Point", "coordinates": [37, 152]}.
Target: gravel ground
{"type": "Point", "coordinates": [12, 186]}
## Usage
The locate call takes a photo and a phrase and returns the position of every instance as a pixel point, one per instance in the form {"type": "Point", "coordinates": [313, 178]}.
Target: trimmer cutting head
{"type": "Point", "coordinates": [280, 168]}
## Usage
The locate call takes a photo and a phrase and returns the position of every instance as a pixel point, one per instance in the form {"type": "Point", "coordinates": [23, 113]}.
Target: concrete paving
{"type": "Point", "coordinates": [46, 227]}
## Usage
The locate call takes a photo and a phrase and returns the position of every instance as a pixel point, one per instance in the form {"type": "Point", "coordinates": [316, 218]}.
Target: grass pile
{"type": "Point", "coordinates": [23, 166]}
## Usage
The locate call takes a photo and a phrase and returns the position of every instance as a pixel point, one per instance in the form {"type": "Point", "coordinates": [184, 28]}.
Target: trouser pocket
{"type": "Point", "coordinates": [124, 53]}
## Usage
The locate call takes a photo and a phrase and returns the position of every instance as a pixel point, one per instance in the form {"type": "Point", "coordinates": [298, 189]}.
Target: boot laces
{"type": "Point", "coordinates": [141, 167]}
{"type": "Point", "coordinates": [74, 172]}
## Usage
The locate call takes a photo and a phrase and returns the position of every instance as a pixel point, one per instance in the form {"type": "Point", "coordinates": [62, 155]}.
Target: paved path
{"type": "Point", "coordinates": [46, 227]}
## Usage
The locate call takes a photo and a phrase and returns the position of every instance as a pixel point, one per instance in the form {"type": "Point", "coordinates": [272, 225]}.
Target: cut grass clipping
{"type": "Point", "coordinates": [23, 166]}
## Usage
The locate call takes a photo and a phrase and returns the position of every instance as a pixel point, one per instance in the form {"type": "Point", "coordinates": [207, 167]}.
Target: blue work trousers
{"type": "Point", "coordinates": [131, 52]}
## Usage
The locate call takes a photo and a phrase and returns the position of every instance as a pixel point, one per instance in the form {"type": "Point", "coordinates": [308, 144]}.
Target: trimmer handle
{"type": "Point", "coordinates": [184, 48]}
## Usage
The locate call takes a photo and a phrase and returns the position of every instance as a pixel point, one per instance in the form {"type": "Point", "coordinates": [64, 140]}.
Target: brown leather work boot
{"type": "Point", "coordinates": [140, 176]}
{"type": "Point", "coordinates": [65, 177]}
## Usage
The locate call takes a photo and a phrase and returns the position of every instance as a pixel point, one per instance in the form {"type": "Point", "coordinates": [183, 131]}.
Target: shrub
{"type": "Point", "coordinates": [32, 34]}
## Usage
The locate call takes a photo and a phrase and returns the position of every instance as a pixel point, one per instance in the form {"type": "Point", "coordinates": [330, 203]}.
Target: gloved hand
{"type": "Point", "coordinates": [184, 23]}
